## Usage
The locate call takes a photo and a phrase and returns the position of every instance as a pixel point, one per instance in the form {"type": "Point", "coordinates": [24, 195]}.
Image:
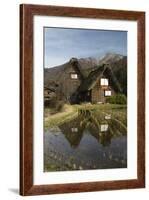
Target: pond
{"type": "Point", "coordinates": [93, 140]}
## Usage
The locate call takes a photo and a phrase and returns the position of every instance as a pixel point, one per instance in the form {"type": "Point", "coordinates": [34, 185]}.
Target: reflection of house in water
{"type": "Point", "coordinates": [72, 131]}
{"type": "Point", "coordinates": [104, 127]}
{"type": "Point", "coordinates": [108, 116]}
{"type": "Point", "coordinates": [101, 126]}
{"type": "Point", "coordinates": [103, 138]}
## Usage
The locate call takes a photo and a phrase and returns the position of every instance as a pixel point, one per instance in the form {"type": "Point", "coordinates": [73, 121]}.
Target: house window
{"type": "Point", "coordinates": [108, 116]}
{"type": "Point", "coordinates": [74, 76]}
{"type": "Point", "coordinates": [74, 129]}
{"type": "Point", "coordinates": [107, 93]}
{"type": "Point", "coordinates": [104, 81]}
{"type": "Point", "coordinates": [104, 127]}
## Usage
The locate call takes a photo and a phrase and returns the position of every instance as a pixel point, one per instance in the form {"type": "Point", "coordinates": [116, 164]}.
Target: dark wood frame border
{"type": "Point", "coordinates": [27, 13]}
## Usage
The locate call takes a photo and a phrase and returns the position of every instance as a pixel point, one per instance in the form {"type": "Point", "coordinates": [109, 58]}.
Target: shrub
{"type": "Point", "coordinates": [117, 99]}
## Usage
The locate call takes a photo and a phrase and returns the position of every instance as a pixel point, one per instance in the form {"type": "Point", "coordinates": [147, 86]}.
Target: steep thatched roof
{"type": "Point", "coordinates": [76, 66]}
{"type": "Point", "coordinates": [103, 70]}
{"type": "Point", "coordinates": [93, 77]}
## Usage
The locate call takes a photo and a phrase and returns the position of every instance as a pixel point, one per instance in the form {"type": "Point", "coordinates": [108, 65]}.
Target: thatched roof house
{"type": "Point", "coordinates": [75, 85]}
{"type": "Point", "coordinates": [93, 88]}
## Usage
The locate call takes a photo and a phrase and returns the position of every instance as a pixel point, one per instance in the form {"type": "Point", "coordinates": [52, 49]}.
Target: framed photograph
{"type": "Point", "coordinates": [82, 99]}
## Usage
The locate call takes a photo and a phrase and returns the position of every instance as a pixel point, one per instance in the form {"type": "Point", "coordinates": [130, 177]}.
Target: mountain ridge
{"type": "Point", "coordinates": [95, 60]}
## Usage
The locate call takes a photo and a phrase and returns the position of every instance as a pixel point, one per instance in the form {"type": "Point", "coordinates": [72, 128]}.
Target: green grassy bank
{"type": "Point", "coordinates": [70, 112]}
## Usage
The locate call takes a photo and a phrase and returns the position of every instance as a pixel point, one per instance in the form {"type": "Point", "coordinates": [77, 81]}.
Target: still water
{"type": "Point", "coordinates": [90, 141]}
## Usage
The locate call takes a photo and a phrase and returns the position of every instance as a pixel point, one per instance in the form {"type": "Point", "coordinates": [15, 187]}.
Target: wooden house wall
{"type": "Point", "coordinates": [97, 94]}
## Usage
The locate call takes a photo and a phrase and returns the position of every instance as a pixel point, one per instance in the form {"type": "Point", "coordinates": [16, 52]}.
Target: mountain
{"type": "Point", "coordinates": [110, 58]}
{"type": "Point", "coordinates": [115, 62]}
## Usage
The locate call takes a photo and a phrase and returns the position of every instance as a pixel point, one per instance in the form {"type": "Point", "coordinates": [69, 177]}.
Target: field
{"type": "Point", "coordinates": [70, 112]}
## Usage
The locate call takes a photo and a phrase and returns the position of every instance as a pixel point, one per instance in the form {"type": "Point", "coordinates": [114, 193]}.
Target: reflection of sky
{"type": "Point", "coordinates": [62, 44]}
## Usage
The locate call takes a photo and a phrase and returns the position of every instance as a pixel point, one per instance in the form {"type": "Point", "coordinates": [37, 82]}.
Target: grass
{"type": "Point", "coordinates": [99, 106]}
{"type": "Point", "coordinates": [70, 112]}
{"type": "Point", "coordinates": [51, 120]}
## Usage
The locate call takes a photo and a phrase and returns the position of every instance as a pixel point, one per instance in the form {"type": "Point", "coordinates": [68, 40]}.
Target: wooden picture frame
{"type": "Point", "coordinates": [27, 12]}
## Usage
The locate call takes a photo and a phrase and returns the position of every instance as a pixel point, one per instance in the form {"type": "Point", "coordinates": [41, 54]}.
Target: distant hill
{"type": "Point", "coordinates": [116, 63]}
{"type": "Point", "coordinates": [110, 58]}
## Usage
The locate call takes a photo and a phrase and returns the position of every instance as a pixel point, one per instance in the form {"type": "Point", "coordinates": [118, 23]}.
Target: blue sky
{"type": "Point", "coordinates": [61, 44]}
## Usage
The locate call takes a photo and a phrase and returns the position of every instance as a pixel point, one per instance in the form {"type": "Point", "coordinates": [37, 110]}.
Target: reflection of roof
{"type": "Point", "coordinates": [103, 127]}
{"type": "Point", "coordinates": [72, 131]}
